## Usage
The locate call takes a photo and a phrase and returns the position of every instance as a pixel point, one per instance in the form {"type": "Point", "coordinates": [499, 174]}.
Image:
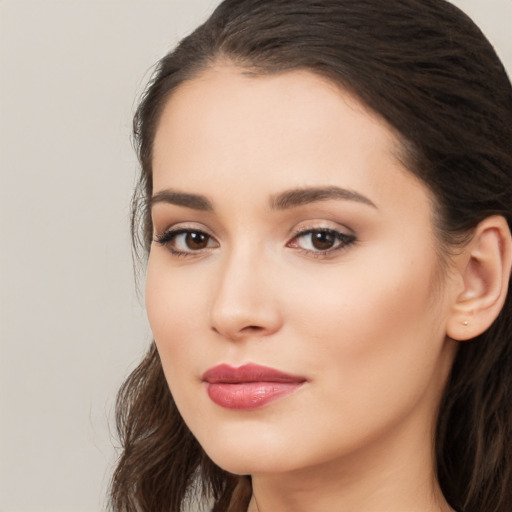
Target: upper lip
{"type": "Point", "coordinates": [224, 373]}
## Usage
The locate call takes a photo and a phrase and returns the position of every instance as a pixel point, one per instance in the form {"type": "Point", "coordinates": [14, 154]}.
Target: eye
{"type": "Point", "coordinates": [186, 241]}
{"type": "Point", "coordinates": [321, 240]}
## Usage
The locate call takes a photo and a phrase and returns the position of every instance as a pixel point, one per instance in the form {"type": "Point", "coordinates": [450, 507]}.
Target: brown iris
{"type": "Point", "coordinates": [323, 240]}
{"type": "Point", "coordinates": [196, 240]}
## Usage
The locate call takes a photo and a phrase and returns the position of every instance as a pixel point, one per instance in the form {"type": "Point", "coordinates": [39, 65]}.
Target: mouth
{"type": "Point", "coordinates": [249, 386]}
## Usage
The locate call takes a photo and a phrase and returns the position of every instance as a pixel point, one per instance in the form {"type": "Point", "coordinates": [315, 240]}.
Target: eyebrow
{"type": "Point", "coordinates": [194, 201]}
{"type": "Point", "coordinates": [301, 196]}
{"type": "Point", "coordinates": [282, 201]}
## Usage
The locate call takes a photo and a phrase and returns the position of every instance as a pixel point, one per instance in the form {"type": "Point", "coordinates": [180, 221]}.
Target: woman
{"type": "Point", "coordinates": [325, 202]}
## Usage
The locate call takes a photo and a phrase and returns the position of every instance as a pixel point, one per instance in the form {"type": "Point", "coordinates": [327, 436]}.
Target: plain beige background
{"type": "Point", "coordinates": [71, 324]}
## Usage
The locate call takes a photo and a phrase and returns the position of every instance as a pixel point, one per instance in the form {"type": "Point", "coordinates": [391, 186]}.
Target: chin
{"type": "Point", "coordinates": [245, 456]}
{"type": "Point", "coordinates": [242, 464]}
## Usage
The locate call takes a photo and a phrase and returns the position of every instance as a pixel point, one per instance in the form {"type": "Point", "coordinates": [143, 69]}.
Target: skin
{"type": "Point", "coordinates": [365, 324]}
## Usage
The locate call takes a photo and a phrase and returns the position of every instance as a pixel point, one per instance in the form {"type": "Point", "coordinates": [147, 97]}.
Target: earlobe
{"type": "Point", "coordinates": [484, 266]}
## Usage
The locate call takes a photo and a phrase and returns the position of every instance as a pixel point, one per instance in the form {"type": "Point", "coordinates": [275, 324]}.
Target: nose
{"type": "Point", "coordinates": [245, 302]}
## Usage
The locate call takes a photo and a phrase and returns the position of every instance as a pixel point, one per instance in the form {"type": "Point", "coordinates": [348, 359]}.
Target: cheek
{"type": "Point", "coordinates": [374, 330]}
{"type": "Point", "coordinates": [174, 304]}
{"type": "Point", "coordinates": [359, 298]}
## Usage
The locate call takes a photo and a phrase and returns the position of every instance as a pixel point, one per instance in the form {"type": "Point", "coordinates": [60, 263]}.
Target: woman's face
{"type": "Point", "coordinates": [289, 236]}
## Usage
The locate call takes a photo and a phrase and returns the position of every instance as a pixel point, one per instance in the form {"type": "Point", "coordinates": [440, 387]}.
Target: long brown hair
{"type": "Point", "coordinates": [431, 74]}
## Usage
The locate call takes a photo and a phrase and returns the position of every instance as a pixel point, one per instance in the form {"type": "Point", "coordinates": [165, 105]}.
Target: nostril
{"type": "Point", "coordinates": [247, 331]}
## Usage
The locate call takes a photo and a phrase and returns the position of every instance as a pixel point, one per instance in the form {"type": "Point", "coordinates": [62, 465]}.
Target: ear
{"type": "Point", "coordinates": [483, 273]}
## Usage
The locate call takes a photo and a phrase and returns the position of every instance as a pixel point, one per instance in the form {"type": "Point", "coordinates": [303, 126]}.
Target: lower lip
{"type": "Point", "coordinates": [249, 395]}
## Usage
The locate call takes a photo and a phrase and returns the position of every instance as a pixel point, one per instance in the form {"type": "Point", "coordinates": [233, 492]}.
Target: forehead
{"type": "Point", "coordinates": [232, 94]}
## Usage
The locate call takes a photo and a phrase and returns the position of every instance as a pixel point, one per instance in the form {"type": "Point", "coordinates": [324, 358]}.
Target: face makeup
{"type": "Point", "coordinates": [294, 288]}
{"type": "Point", "coordinates": [249, 386]}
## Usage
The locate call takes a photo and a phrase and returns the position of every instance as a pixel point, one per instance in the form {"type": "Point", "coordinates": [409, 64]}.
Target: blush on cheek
{"type": "Point", "coordinates": [375, 325]}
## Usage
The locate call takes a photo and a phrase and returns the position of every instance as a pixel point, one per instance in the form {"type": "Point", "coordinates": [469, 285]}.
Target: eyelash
{"type": "Point", "coordinates": [168, 237]}
{"type": "Point", "coordinates": [342, 240]}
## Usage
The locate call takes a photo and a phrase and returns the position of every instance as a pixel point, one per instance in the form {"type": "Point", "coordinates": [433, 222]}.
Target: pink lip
{"type": "Point", "coordinates": [249, 386]}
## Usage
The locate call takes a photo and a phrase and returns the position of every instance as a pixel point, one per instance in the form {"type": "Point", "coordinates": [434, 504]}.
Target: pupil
{"type": "Point", "coordinates": [196, 240]}
{"type": "Point", "coordinates": [323, 240]}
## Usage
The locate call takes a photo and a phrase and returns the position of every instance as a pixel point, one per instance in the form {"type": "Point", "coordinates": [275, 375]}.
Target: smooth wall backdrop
{"type": "Point", "coordinates": [71, 324]}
